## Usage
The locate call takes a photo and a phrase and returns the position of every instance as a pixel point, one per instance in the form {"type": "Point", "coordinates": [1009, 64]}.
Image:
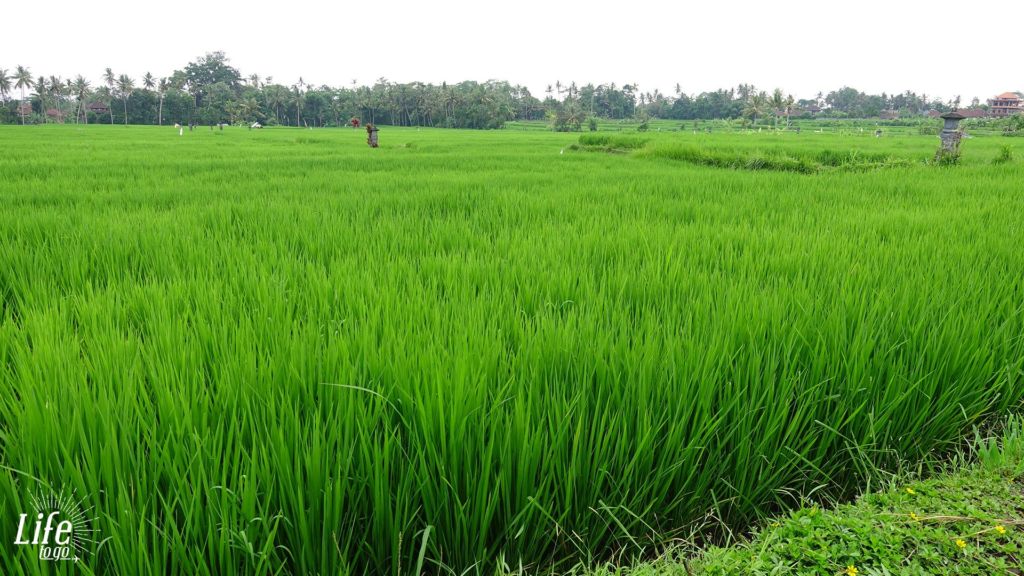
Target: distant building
{"type": "Point", "coordinates": [973, 113]}
{"type": "Point", "coordinates": [801, 111]}
{"type": "Point", "coordinates": [965, 112]}
{"type": "Point", "coordinates": [889, 115]}
{"type": "Point", "coordinates": [55, 114]}
{"type": "Point", "coordinates": [97, 108]}
{"type": "Point", "coordinates": [1006, 104]}
{"type": "Point", "coordinates": [24, 109]}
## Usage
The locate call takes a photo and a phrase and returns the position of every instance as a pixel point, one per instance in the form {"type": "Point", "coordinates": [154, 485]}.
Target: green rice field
{"type": "Point", "coordinates": [280, 351]}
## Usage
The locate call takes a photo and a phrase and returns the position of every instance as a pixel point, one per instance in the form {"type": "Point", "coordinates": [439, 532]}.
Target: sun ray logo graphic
{"type": "Point", "coordinates": [63, 528]}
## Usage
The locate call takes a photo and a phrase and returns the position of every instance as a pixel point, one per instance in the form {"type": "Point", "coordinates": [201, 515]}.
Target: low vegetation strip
{"type": "Point", "coordinates": [967, 521]}
{"type": "Point", "coordinates": [755, 160]}
{"type": "Point", "coordinates": [621, 142]}
{"type": "Point", "coordinates": [962, 524]}
{"type": "Point", "coordinates": [750, 159]}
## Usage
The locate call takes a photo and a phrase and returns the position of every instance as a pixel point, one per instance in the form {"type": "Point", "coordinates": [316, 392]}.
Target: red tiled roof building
{"type": "Point", "coordinates": [1006, 104]}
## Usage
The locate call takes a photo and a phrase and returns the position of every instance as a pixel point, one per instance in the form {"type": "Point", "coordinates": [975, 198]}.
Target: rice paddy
{"type": "Point", "coordinates": [283, 352]}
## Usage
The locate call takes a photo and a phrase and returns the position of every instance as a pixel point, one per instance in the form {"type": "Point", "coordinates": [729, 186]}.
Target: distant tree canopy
{"type": "Point", "coordinates": [209, 90]}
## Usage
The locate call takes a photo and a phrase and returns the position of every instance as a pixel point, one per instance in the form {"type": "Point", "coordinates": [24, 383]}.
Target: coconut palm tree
{"type": "Point", "coordinates": [148, 81]}
{"type": "Point", "coordinates": [5, 84]}
{"type": "Point", "coordinates": [247, 109]}
{"type": "Point", "coordinates": [756, 106]}
{"type": "Point", "coordinates": [41, 92]}
{"type": "Point", "coordinates": [23, 79]}
{"type": "Point", "coordinates": [103, 94]}
{"type": "Point", "coordinates": [109, 79]}
{"type": "Point", "coordinates": [777, 103]}
{"type": "Point", "coordinates": [254, 81]}
{"type": "Point", "coordinates": [275, 97]}
{"type": "Point", "coordinates": [300, 100]}
{"type": "Point", "coordinates": [161, 89]}
{"type": "Point", "coordinates": [56, 89]}
{"type": "Point", "coordinates": [125, 87]}
{"type": "Point", "coordinates": [450, 100]}
{"type": "Point", "coordinates": [80, 88]}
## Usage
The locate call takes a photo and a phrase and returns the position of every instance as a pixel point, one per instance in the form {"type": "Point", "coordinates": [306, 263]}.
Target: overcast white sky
{"type": "Point", "coordinates": [938, 48]}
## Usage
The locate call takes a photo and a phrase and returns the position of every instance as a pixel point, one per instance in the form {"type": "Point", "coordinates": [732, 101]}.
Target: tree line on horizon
{"type": "Point", "coordinates": [210, 91]}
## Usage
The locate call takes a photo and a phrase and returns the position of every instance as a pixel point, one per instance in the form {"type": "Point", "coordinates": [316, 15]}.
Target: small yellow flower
{"type": "Point", "coordinates": [851, 570]}
{"type": "Point", "coordinates": [961, 544]}
{"type": "Point", "coordinates": [914, 517]}
{"type": "Point", "coordinates": [911, 491]}
{"type": "Point", "coordinates": [1001, 529]}
{"type": "Point", "coordinates": [776, 524]}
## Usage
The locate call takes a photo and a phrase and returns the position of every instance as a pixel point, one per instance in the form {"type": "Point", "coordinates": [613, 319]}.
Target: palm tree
{"type": "Point", "coordinates": [56, 88]}
{"type": "Point", "coordinates": [41, 92]}
{"type": "Point", "coordinates": [80, 88]}
{"type": "Point", "coordinates": [148, 82]}
{"type": "Point", "coordinates": [23, 79]}
{"type": "Point", "coordinates": [254, 81]}
{"type": "Point", "coordinates": [777, 102]}
{"type": "Point", "coordinates": [125, 87]}
{"type": "Point", "coordinates": [161, 90]}
{"type": "Point", "coordinates": [275, 97]}
{"type": "Point", "coordinates": [109, 79]}
{"type": "Point", "coordinates": [5, 84]}
{"type": "Point", "coordinates": [789, 108]}
{"type": "Point", "coordinates": [103, 94]}
{"type": "Point", "coordinates": [450, 101]}
{"type": "Point", "coordinates": [756, 105]}
{"type": "Point", "coordinates": [300, 99]}
{"type": "Point", "coordinates": [247, 109]}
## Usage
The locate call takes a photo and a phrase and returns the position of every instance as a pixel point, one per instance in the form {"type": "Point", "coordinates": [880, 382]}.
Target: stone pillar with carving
{"type": "Point", "coordinates": [950, 135]}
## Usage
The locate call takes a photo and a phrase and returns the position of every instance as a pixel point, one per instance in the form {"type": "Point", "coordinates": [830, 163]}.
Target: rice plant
{"type": "Point", "coordinates": [283, 352]}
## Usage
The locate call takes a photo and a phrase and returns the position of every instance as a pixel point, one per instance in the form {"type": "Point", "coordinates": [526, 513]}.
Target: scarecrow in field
{"type": "Point", "coordinates": [371, 135]}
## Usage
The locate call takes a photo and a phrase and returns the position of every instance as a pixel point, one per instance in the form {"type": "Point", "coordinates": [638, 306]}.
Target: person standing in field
{"type": "Point", "coordinates": [371, 135]}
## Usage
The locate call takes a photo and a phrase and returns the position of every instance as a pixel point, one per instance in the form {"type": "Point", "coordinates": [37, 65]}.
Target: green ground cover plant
{"type": "Point", "coordinates": [963, 523]}
{"type": "Point", "coordinates": [965, 520]}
